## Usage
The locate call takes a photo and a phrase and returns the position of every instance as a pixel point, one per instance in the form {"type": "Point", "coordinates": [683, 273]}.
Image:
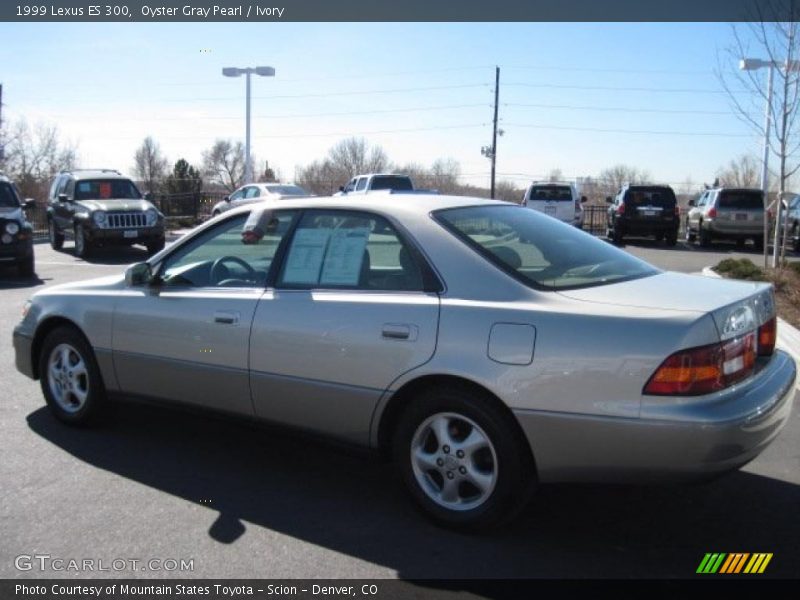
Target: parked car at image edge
{"type": "Point", "coordinates": [726, 214]}
{"type": "Point", "coordinates": [16, 233]}
{"type": "Point", "coordinates": [258, 192]}
{"type": "Point", "coordinates": [643, 211]}
{"type": "Point", "coordinates": [559, 200]}
{"type": "Point", "coordinates": [484, 346]}
{"type": "Point", "coordinates": [363, 184]}
{"type": "Point", "coordinates": [101, 207]}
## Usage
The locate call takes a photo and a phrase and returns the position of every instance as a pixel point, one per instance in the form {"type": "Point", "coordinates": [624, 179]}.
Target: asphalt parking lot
{"type": "Point", "coordinates": [244, 501]}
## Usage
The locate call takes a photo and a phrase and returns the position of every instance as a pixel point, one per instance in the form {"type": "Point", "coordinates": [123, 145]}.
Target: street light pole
{"type": "Point", "coordinates": [237, 72]}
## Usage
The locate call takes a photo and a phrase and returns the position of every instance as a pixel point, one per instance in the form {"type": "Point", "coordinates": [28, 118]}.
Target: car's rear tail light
{"type": "Point", "coordinates": [767, 336]}
{"type": "Point", "coordinates": [712, 213]}
{"type": "Point", "coordinates": [705, 369]}
{"type": "Point", "coordinates": [621, 209]}
{"type": "Point", "coordinates": [677, 211]}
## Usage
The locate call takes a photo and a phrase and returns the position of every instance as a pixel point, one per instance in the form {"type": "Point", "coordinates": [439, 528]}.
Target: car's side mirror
{"type": "Point", "coordinates": [138, 274]}
{"type": "Point", "coordinates": [148, 196]}
{"type": "Point", "coordinates": [691, 202]}
{"type": "Point", "coordinates": [28, 203]}
{"type": "Point", "coordinates": [584, 199]}
{"type": "Point", "coordinates": [341, 188]}
{"type": "Point", "coordinates": [226, 198]}
{"type": "Point", "coordinates": [63, 198]}
{"type": "Point", "coordinates": [609, 200]}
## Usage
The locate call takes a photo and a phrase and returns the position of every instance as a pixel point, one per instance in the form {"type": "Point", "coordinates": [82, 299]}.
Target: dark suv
{"type": "Point", "coordinates": [643, 210]}
{"type": "Point", "coordinates": [100, 207]}
{"type": "Point", "coordinates": [16, 233]}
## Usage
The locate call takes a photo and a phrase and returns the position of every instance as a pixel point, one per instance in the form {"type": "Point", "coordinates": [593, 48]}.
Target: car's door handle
{"type": "Point", "coordinates": [226, 317]}
{"type": "Point", "coordinates": [399, 331]}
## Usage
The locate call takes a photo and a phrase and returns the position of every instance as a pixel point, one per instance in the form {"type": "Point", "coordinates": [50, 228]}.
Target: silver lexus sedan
{"type": "Point", "coordinates": [487, 348]}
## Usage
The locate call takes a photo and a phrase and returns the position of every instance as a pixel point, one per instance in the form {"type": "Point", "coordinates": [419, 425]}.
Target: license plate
{"type": "Point", "coordinates": [549, 210]}
{"type": "Point", "coordinates": [649, 213]}
{"type": "Point", "coordinates": [741, 216]}
{"type": "Point", "coordinates": [130, 233]}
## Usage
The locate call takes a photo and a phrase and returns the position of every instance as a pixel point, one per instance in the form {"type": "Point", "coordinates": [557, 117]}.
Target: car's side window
{"type": "Point", "coordinates": [252, 192]}
{"type": "Point", "coordinates": [362, 183]}
{"type": "Point", "coordinates": [350, 250]}
{"type": "Point", "coordinates": [237, 195]}
{"type": "Point", "coordinates": [351, 185]}
{"type": "Point", "coordinates": [62, 186]}
{"type": "Point", "coordinates": [227, 256]}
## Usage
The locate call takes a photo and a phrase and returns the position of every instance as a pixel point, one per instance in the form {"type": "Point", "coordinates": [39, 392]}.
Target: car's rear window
{"type": "Point", "coordinates": [8, 199]}
{"type": "Point", "coordinates": [650, 196]}
{"type": "Point", "coordinates": [105, 189]}
{"type": "Point", "coordinates": [551, 192]}
{"type": "Point", "coordinates": [391, 183]}
{"type": "Point", "coordinates": [539, 251]}
{"type": "Point", "coordinates": [741, 200]}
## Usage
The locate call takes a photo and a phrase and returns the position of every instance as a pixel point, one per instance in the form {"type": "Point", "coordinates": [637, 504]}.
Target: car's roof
{"type": "Point", "coordinates": [383, 203]}
{"type": "Point", "coordinates": [734, 189]}
{"type": "Point", "coordinates": [95, 174]}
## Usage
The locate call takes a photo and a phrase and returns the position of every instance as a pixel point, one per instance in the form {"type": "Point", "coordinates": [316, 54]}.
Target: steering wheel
{"type": "Point", "coordinates": [217, 274]}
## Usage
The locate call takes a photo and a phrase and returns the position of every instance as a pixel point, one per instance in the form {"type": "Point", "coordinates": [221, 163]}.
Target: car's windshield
{"type": "Point", "coordinates": [551, 192]}
{"type": "Point", "coordinates": [106, 189]}
{"type": "Point", "coordinates": [742, 200]}
{"type": "Point", "coordinates": [391, 182]}
{"type": "Point", "coordinates": [8, 197]}
{"type": "Point", "coordinates": [542, 252]}
{"type": "Point", "coordinates": [287, 190]}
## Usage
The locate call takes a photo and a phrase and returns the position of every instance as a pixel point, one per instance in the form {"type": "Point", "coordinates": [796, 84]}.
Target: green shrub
{"type": "Point", "coordinates": [742, 268]}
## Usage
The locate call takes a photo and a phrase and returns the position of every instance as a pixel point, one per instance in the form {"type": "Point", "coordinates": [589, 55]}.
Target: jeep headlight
{"type": "Point", "coordinates": [152, 216]}
{"type": "Point", "coordinates": [12, 227]}
{"type": "Point", "coordinates": [99, 218]}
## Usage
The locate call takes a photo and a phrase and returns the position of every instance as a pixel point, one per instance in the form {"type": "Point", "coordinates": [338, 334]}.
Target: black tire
{"type": "Point", "coordinates": [659, 236]}
{"type": "Point", "coordinates": [705, 237]}
{"type": "Point", "coordinates": [26, 267]}
{"type": "Point", "coordinates": [691, 236]}
{"type": "Point", "coordinates": [758, 242]}
{"type": "Point", "coordinates": [506, 460]}
{"type": "Point", "coordinates": [82, 247]}
{"type": "Point", "coordinates": [56, 238]}
{"type": "Point", "coordinates": [795, 238]}
{"type": "Point", "coordinates": [155, 247]}
{"type": "Point", "coordinates": [70, 408]}
{"type": "Point", "coordinates": [671, 238]}
{"type": "Point", "coordinates": [617, 237]}
{"type": "Point", "coordinates": [740, 243]}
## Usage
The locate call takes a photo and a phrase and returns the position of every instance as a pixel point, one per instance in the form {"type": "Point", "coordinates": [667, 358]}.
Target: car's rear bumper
{"type": "Point", "coordinates": [631, 227]}
{"type": "Point", "coordinates": [678, 440]}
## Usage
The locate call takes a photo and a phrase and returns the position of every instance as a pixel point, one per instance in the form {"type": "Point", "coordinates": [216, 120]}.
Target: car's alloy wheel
{"type": "Point", "coordinates": [56, 239]}
{"type": "Point", "coordinates": [454, 461]}
{"type": "Point", "coordinates": [463, 459]}
{"type": "Point", "coordinates": [70, 378]}
{"type": "Point", "coordinates": [689, 234]}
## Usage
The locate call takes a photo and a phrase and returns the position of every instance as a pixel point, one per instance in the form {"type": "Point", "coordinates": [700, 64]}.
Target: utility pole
{"type": "Point", "coordinates": [494, 128]}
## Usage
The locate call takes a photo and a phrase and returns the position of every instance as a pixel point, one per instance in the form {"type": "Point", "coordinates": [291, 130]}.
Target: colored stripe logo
{"type": "Point", "coordinates": [734, 563]}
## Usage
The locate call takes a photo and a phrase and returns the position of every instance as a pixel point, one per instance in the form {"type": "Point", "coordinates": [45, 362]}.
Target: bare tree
{"type": "Point", "coordinates": [555, 175]}
{"type": "Point", "coordinates": [34, 156]}
{"type": "Point", "coordinates": [742, 172]}
{"type": "Point", "coordinates": [224, 164]}
{"type": "Point", "coordinates": [506, 190]}
{"type": "Point", "coordinates": [612, 179]}
{"type": "Point", "coordinates": [149, 165]}
{"type": "Point", "coordinates": [776, 32]}
{"type": "Point", "coordinates": [354, 156]}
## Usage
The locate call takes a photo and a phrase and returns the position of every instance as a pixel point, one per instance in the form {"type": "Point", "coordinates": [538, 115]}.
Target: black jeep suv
{"type": "Point", "coordinates": [643, 210]}
{"type": "Point", "coordinates": [16, 233]}
{"type": "Point", "coordinates": [101, 207]}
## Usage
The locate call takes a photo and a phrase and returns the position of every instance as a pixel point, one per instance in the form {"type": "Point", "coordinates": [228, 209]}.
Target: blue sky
{"type": "Point", "coordinates": [107, 86]}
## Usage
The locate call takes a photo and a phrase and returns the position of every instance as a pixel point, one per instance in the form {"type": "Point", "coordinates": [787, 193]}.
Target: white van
{"type": "Point", "coordinates": [559, 200]}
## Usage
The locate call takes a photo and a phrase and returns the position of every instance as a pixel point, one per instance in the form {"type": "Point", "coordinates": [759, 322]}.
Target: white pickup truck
{"type": "Point", "coordinates": [361, 184]}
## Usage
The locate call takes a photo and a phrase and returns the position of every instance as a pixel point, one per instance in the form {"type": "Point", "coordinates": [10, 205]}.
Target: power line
{"type": "Point", "coordinates": [351, 133]}
{"type": "Point", "coordinates": [626, 89]}
{"type": "Point", "coordinates": [622, 109]}
{"type": "Point", "coordinates": [596, 70]}
{"type": "Point", "coordinates": [643, 131]}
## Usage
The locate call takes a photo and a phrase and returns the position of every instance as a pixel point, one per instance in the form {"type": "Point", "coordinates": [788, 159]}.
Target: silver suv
{"type": "Point", "coordinates": [727, 214]}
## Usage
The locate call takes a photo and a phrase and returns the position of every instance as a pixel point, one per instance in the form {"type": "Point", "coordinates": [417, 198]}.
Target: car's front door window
{"type": "Point", "coordinates": [226, 257]}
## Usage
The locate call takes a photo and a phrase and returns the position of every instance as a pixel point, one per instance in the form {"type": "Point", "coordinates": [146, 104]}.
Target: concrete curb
{"type": "Point", "coordinates": [788, 335]}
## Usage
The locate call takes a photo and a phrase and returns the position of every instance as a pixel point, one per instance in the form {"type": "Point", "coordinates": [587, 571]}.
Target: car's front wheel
{"type": "Point", "coordinates": [70, 378]}
{"type": "Point", "coordinates": [56, 238]}
{"type": "Point", "coordinates": [82, 246]}
{"type": "Point", "coordinates": [27, 266]}
{"type": "Point", "coordinates": [462, 459]}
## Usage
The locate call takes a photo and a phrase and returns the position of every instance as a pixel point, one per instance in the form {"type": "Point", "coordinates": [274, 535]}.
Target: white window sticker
{"type": "Point", "coordinates": [305, 257]}
{"type": "Point", "coordinates": [344, 257]}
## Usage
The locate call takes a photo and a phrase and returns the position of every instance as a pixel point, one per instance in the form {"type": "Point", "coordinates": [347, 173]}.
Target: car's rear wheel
{"type": "Point", "coordinates": [671, 238]}
{"type": "Point", "coordinates": [70, 378]}
{"type": "Point", "coordinates": [659, 236]}
{"type": "Point", "coordinates": [796, 237]}
{"type": "Point", "coordinates": [690, 235]}
{"type": "Point", "coordinates": [758, 242]}
{"type": "Point", "coordinates": [616, 236]}
{"type": "Point", "coordinates": [82, 246]}
{"type": "Point", "coordinates": [740, 243]}
{"type": "Point", "coordinates": [462, 460]}
{"type": "Point", "coordinates": [56, 238]}
{"type": "Point", "coordinates": [705, 237]}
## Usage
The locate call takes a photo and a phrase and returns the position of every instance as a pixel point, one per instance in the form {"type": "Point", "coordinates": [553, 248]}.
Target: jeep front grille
{"type": "Point", "coordinates": [125, 220]}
